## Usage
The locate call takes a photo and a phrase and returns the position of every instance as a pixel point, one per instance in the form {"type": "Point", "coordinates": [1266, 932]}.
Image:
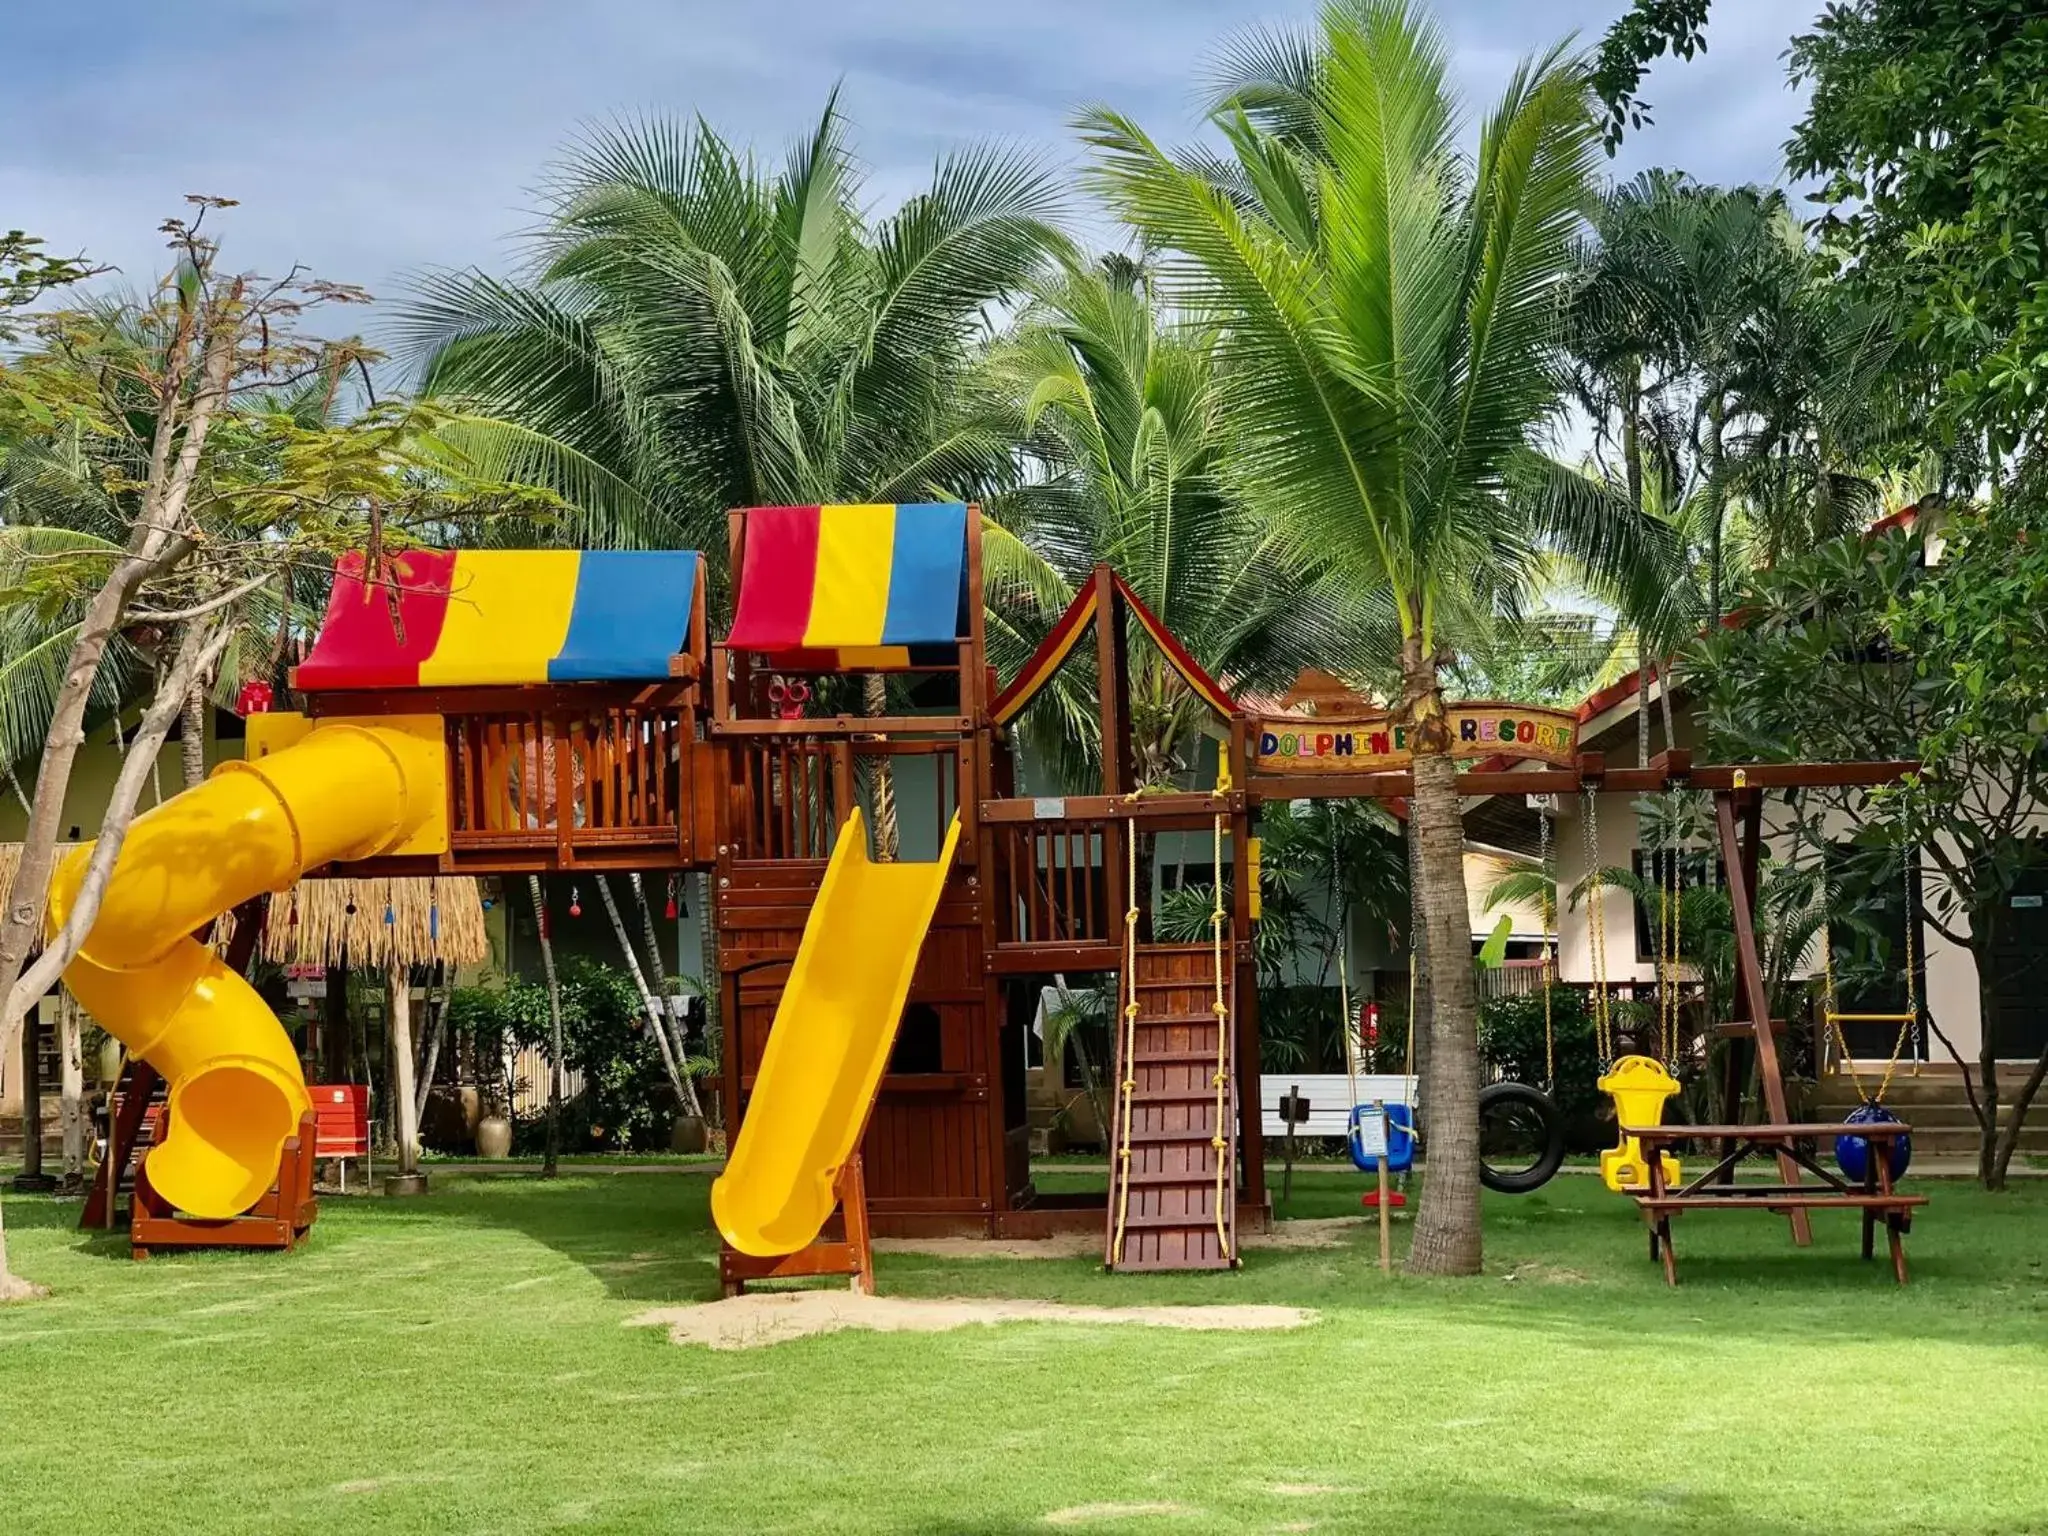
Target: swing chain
{"type": "Point", "coordinates": [1549, 899]}
{"type": "Point", "coordinates": [1596, 924]}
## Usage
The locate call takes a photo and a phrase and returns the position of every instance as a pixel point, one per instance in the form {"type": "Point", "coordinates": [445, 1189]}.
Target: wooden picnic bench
{"type": "Point", "coordinates": [1717, 1189]}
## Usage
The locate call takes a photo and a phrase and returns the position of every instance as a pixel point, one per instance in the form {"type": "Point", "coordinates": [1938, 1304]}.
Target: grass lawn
{"type": "Point", "coordinates": [460, 1364]}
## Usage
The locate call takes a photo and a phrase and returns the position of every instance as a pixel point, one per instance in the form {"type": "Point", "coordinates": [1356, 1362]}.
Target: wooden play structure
{"type": "Point", "coordinates": [514, 712]}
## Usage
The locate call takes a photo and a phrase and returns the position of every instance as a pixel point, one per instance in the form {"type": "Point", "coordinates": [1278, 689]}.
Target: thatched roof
{"type": "Point", "coordinates": [413, 921]}
{"type": "Point", "coordinates": [378, 922]}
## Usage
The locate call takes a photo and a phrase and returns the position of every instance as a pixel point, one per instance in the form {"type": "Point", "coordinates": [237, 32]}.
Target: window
{"type": "Point", "coordinates": [920, 1041]}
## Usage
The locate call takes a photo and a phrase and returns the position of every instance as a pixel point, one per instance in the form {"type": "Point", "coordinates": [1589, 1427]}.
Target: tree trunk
{"type": "Point", "coordinates": [198, 647]}
{"type": "Point", "coordinates": [12, 1286]}
{"type": "Point", "coordinates": [1420, 992]}
{"type": "Point", "coordinates": [1447, 1232]}
{"type": "Point", "coordinates": [192, 734]}
{"type": "Point", "coordinates": [884, 781]}
{"type": "Point", "coordinates": [678, 1079]}
{"type": "Point", "coordinates": [1983, 936]}
{"type": "Point", "coordinates": [549, 1162]}
{"type": "Point", "coordinates": [71, 1055]}
{"type": "Point", "coordinates": [651, 935]}
{"type": "Point", "coordinates": [1717, 512]}
{"type": "Point", "coordinates": [405, 1119]}
{"type": "Point", "coordinates": [2016, 1119]}
{"type": "Point", "coordinates": [430, 1055]}
{"type": "Point", "coordinates": [156, 541]}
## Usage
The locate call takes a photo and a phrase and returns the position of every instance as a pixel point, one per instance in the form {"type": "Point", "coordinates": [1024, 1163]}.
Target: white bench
{"type": "Point", "coordinates": [1330, 1099]}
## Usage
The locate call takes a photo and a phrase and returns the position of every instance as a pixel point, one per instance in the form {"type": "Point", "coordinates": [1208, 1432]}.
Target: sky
{"type": "Point", "coordinates": [372, 140]}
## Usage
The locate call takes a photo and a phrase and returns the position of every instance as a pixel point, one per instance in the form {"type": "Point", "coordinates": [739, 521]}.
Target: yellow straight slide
{"type": "Point", "coordinates": [341, 790]}
{"type": "Point", "coordinates": [830, 1041]}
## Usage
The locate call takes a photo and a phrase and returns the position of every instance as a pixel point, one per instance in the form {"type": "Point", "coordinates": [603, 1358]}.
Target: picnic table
{"type": "Point", "coordinates": [1717, 1189]}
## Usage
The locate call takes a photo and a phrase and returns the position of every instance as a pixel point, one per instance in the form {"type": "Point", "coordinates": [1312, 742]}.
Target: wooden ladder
{"type": "Point", "coordinates": [1163, 1198]}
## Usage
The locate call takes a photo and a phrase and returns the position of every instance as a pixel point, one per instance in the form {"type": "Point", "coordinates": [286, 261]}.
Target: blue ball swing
{"type": "Point", "coordinates": [1852, 1153]}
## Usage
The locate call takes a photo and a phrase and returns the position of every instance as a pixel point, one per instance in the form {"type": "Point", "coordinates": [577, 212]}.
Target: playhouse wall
{"type": "Point", "coordinates": [934, 1153]}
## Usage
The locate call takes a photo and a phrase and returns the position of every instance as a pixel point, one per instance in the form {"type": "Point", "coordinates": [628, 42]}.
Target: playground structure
{"type": "Point", "coordinates": [521, 712]}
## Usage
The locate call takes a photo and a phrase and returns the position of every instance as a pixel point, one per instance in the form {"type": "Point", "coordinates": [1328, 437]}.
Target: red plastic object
{"type": "Point", "coordinates": [1371, 1200]}
{"type": "Point", "coordinates": [256, 698]}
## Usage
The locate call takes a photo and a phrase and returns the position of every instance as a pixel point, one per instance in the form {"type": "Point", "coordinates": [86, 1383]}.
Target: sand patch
{"type": "Point", "coordinates": [774, 1317]}
{"type": "Point", "coordinates": [1322, 1232]}
{"type": "Point", "coordinates": [1085, 1514]}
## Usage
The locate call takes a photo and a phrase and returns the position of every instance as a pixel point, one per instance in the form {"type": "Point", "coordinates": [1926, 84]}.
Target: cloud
{"type": "Point", "coordinates": [369, 140]}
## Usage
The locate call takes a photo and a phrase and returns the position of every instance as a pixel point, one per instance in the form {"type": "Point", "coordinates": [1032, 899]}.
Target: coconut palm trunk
{"type": "Point", "coordinates": [1447, 1232]}
{"type": "Point", "coordinates": [883, 781]}
{"type": "Point", "coordinates": [1387, 305]}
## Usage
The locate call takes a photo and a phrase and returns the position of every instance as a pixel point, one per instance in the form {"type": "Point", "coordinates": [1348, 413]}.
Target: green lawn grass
{"type": "Point", "coordinates": [461, 1364]}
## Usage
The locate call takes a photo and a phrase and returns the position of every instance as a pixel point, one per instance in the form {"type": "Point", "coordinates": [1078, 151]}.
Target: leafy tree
{"type": "Point", "coordinates": [1864, 650]}
{"type": "Point", "coordinates": [1389, 315]}
{"type": "Point", "coordinates": [1927, 130]}
{"type": "Point", "coordinates": [696, 332]}
{"type": "Point", "coordinates": [199, 512]}
{"type": "Point", "coordinates": [1646, 31]}
{"type": "Point", "coordinates": [1120, 411]}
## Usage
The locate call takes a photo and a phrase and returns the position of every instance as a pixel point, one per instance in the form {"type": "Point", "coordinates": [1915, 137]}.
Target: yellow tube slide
{"type": "Point", "coordinates": [828, 1046]}
{"type": "Point", "coordinates": [344, 790]}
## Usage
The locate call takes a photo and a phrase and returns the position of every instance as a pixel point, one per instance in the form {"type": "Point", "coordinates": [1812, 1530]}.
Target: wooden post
{"type": "Point", "coordinates": [398, 1011]}
{"type": "Point", "coordinates": [1749, 970]}
{"type": "Point", "coordinates": [32, 1179]}
{"type": "Point", "coordinates": [1293, 1108]}
{"type": "Point", "coordinates": [1113, 679]}
{"type": "Point", "coordinates": [1386, 1217]}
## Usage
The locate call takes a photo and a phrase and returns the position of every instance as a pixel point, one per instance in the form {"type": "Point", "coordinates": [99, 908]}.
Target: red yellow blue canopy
{"type": "Point", "coordinates": [853, 586]}
{"type": "Point", "coordinates": [448, 618]}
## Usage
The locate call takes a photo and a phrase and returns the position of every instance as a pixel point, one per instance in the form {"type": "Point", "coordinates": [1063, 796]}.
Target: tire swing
{"type": "Point", "coordinates": [1852, 1153]}
{"type": "Point", "coordinates": [1521, 1129]}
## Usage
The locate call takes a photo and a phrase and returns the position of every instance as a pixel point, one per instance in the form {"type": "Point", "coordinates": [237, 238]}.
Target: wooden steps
{"type": "Point", "coordinates": [1164, 1201]}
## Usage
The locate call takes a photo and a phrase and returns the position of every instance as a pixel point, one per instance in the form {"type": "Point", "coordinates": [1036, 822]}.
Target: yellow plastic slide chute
{"type": "Point", "coordinates": [828, 1046]}
{"type": "Point", "coordinates": [344, 790]}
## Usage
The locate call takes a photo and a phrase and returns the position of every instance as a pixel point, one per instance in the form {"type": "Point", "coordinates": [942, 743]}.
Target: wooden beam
{"type": "Point", "coordinates": [1750, 976]}
{"type": "Point", "coordinates": [1400, 785]}
{"type": "Point", "coordinates": [510, 699]}
{"type": "Point", "coordinates": [1113, 683]}
{"type": "Point", "coordinates": [1199, 810]}
{"type": "Point", "coordinates": [846, 725]}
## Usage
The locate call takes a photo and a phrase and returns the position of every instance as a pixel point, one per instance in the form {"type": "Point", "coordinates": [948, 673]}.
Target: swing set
{"type": "Point", "coordinates": [1644, 1164]}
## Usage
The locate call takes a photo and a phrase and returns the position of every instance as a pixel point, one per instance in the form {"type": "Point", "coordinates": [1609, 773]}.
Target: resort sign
{"type": "Point", "coordinates": [1370, 742]}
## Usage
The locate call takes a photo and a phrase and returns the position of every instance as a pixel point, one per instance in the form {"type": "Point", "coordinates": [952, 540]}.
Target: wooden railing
{"type": "Point", "coordinates": [791, 794]}
{"type": "Point", "coordinates": [571, 779]}
{"type": "Point", "coordinates": [1057, 883]}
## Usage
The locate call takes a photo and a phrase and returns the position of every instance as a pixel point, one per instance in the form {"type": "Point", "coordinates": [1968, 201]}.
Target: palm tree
{"type": "Point", "coordinates": [1118, 405]}
{"type": "Point", "coordinates": [1389, 311]}
{"type": "Point", "coordinates": [696, 332]}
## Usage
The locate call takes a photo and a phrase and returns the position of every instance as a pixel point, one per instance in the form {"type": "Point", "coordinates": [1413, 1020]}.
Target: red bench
{"type": "Point", "coordinates": [341, 1124]}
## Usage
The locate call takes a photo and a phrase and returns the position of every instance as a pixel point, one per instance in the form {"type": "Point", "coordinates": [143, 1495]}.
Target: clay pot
{"type": "Point", "coordinates": [690, 1134]}
{"type": "Point", "coordinates": [493, 1137]}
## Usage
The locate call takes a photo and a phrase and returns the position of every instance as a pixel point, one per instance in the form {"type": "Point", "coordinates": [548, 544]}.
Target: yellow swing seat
{"type": "Point", "coordinates": [1639, 1085]}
